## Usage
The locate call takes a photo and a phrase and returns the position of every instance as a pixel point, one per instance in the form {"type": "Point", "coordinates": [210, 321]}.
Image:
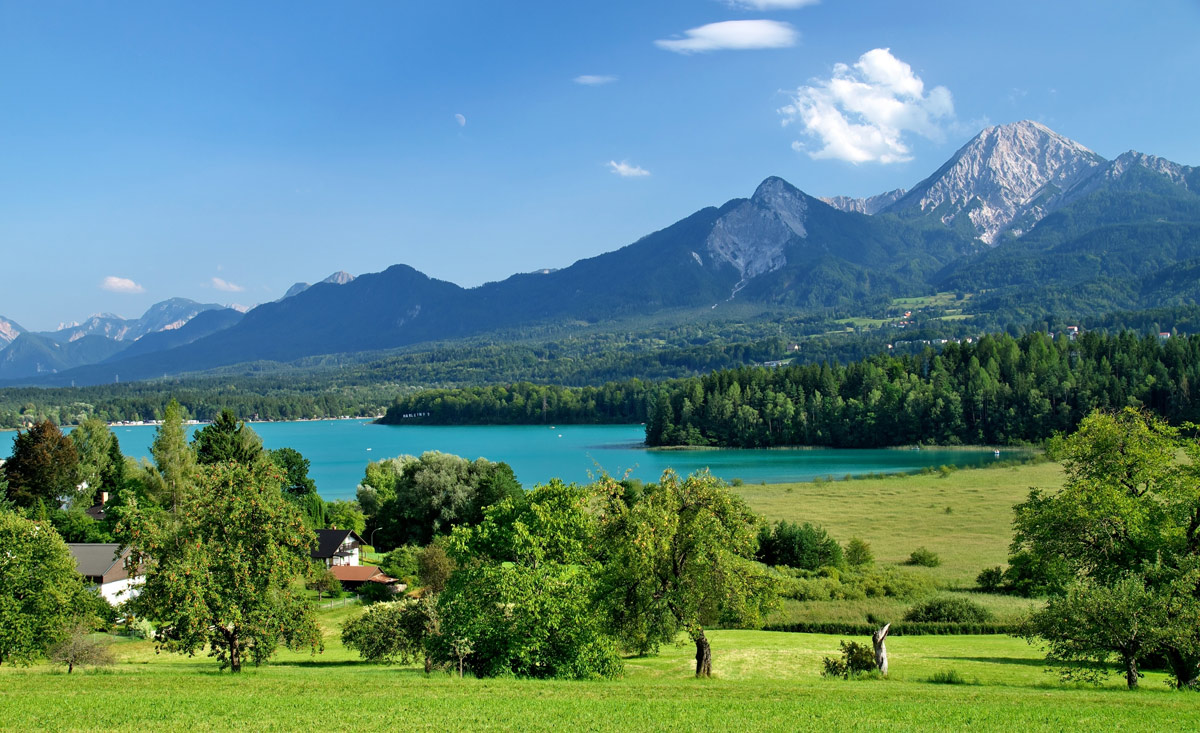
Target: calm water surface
{"type": "Point", "coordinates": [340, 449]}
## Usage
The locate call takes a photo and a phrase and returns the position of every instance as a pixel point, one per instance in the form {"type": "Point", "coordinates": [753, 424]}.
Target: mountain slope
{"type": "Point", "coordinates": [31, 354]}
{"type": "Point", "coordinates": [1001, 182]}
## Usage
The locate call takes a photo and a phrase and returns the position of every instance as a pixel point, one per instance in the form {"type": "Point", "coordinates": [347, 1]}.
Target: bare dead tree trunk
{"type": "Point", "coordinates": [703, 655]}
{"type": "Point", "coordinates": [877, 640]}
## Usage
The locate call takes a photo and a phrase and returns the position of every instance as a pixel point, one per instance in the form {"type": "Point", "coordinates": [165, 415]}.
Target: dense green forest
{"type": "Point", "coordinates": [998, 390]}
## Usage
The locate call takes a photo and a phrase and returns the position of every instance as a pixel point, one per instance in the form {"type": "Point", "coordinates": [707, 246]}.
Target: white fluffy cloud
{"type": "Point", "coordinates": [625, 170]}
{"type": "Point", "coordinates": [461, 120]}
{"type": "Point", "coordinates": [115, 284]}
{"type": "Point", "coordinates": [594, 80]}
{"type": "Point", "coordinates": [738, 35]}
{"type": "Point", "coordinates": [863, 112]}
{"type": "Point", "coordinates": [227, 286]}
{"type": "Point", "coordinates": [772, 4]}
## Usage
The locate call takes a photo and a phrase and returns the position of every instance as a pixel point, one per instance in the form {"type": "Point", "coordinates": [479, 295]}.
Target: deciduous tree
{"type": "Point", "coordinates": [679, 560]}
{"type": "Point", "coordinates": [1122, 541]}
{"type": "Point", "coordinates": [41, 593]}
{"type": "Point", "coordinates": [222, 573]}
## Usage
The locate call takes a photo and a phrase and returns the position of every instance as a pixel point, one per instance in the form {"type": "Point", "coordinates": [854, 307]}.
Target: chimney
{"type": "Point", "coordinates": [103, 498]}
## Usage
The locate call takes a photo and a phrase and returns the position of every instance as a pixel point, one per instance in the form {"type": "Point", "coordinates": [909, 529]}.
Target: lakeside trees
{"type": "Point", "coordinates": [411, 500]}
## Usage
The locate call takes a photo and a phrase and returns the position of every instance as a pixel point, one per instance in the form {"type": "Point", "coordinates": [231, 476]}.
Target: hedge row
{"type": "Point", "coordinates": [897, 629]}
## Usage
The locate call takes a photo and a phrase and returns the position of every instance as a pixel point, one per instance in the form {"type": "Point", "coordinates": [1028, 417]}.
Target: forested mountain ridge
{"type": "Point", "coordinates": [1032, 223]}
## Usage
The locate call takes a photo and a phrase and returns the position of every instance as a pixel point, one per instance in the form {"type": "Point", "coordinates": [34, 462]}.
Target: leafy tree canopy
{"type": "Point", "coordinates": [44, 467]}
{"type": "Point", "coordinates": [41, 593]}
{"type": "Point", "coordinates": [221, 570]}
{"type": "Point", "coordinates": [680, 559]}
{"type": "Point", "coordinates": [1119, 545]}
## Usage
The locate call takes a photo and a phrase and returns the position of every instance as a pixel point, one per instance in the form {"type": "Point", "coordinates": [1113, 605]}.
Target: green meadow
{"type": "Point", "coordinates": [763, 680]}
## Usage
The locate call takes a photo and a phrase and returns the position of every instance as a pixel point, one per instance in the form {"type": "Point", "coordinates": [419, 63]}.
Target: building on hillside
{"type": "Point", "coordinates": [338, 547]}
{"type": "Point", "coordinates": [100, 564]}
{"type": "Point", "coordinates": [353, 577]}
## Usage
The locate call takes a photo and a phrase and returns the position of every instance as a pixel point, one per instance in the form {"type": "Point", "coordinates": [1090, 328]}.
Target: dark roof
{"type": "Point", "coordinates": [95, 559]}
{"type": "Point", "coordinates": [329, 540]}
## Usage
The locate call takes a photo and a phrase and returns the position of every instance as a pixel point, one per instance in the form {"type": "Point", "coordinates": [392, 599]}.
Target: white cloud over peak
{"type": "Point", "coordinates": [736, 35]}
{"type": "Point", "coordinates": [115, 284]}
{"type": "Point", "coordinates": [625, 170]}
{"type": "Point", "coordinates": [772, 4]}
{"type": "Point", "coordinates": [227, 286]}
{"type": "Point", "coordinates": [461, 120]}
{"type": "Point", "coordinates": [862, 113]}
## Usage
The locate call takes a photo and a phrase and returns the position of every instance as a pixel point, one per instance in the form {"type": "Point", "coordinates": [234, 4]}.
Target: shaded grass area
{"type": "Point", "coordinates": [898, 514]}
{"type": "Point", "coordinates": [1004, 609]}
{"type": "Point", "coordinates": [763, 681]}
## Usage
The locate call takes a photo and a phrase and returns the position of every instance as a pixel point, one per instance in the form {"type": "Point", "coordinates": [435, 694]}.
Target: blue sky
{"type": "Point", "coordinates": [222, 151]}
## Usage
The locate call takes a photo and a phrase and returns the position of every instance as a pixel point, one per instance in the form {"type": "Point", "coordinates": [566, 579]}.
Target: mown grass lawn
{"type": "Point", "coordinates": [764, 681]}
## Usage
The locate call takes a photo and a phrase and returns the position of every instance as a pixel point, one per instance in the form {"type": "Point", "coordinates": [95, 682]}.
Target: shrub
{"type": "Point", "coordinates": [375, 593]}
{"type": "Point", "coordinates": [947, 677]}
{"type": "Point", "coordinates": [949, 609]}
{"type": "Point", "coordinates": [924, 557]}
{"type": "Point", "coordinates": [139, 628]}
{"type": "Point", "coordinates": [434, 567]}
{"type": "Point", "coordinates": [990, 580]}
{"type": "Point", "coordinates": [79, 648]}
{"type": "Point", "coordinates": [391, 632]}
{"type": "Point", "coordinates": [858, 553]}
{"type": "Point", "coordinates": [805, 546]}
{"type": "Point", "coordinates": [401, 563]}
{"type": "Point", "coordinates": [856, 660]}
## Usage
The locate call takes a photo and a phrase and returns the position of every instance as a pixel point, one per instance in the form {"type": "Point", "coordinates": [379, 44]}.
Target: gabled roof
{"type": "Point", "coordinates": [96, 559]}
{"type": "Point", "coordinates": [329, 540]}
{"type": "Point", "coordinates": [360, 574]}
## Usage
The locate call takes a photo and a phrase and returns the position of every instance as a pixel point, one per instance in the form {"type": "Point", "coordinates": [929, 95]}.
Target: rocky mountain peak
{"type": "Point", "coordinates": [870, 205]}
{"type": "Point", "coordinates": [9, 331]}
{"type": "Point", "coordinates": [341, 277]}
{"type": "Point", "coordinates": [1174, 172]}
{"type": "Point", "coordinates": [1005, 179]}
{"type": "Point", "coordinates": [752, 236]}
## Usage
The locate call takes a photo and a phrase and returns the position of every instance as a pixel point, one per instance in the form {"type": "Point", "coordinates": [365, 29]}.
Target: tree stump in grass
{"type": "Point", "coordinates": [703, 655]}
{"type": "Point", "coordinates": [881, 649]}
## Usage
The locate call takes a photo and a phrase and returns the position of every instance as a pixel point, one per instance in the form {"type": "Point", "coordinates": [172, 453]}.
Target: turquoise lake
{"type": "Point", "coordinates": [340, 449]}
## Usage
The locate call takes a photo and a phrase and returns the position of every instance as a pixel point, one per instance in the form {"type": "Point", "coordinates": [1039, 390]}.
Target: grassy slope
{"type": "Point", "coordinates": [898, 514]}
{"type": "Point", "coordinates": [764, 681]}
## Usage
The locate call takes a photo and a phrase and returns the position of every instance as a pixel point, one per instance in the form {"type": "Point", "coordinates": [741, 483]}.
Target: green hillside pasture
{"type": "Point", "coordinates": [764, 681]}
{"type": "Point", "coordinates": [898, 514]}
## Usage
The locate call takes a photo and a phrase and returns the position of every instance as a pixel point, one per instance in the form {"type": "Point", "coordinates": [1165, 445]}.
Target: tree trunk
{"type": "Point", "coordinates": [1186, 671]}
{"type": "Point", "coordinates": [1131, 672]}
{"type": "Point", "coordinates": [235, 652]}
{"type": "Point", "coordinates": [70, 666]}
{"type": "Point", "coordinates": [428, 664]}
{"type": "Point", "coordinates": [877, 640]}
{"type": "Point", "coordinates": [703, 655]}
